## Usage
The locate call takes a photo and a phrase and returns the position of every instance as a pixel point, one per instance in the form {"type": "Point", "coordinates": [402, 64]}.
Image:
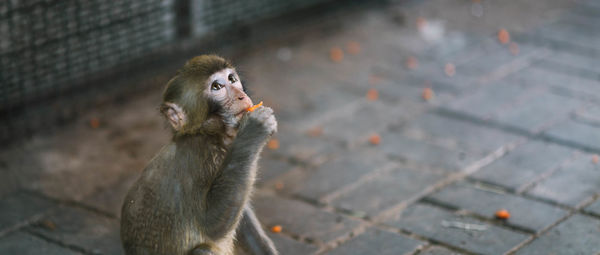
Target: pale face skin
{"type": "Point", "coordinates": [225, 87]}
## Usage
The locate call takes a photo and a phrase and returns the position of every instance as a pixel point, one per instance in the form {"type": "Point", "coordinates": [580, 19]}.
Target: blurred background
{"type": "Point", "coordinates": [405, 127]}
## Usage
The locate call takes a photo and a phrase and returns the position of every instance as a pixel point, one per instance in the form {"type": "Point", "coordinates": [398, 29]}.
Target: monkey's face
{"type": "Point", "coordinates": [224, 88]}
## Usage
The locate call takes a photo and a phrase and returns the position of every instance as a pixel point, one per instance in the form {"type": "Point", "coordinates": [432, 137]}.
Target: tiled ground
{"type": "Point", "coordinates": [514, 126]}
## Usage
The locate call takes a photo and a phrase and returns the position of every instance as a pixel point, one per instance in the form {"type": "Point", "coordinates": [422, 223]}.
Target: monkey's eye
{"type": "Point", "coordinates": [216, 86]}
{"type": "Point", "coordinates": [232, 78]}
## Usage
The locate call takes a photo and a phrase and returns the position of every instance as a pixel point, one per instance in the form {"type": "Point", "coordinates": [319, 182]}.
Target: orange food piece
{"type": "Point", "coordinates": [94, 123]}
{"type": "Point", "coordinates": [273, 144]}
{"type": "Point", "coordinates": [502, 214]}
{"type": "Point", "coordinates": [276, 229]}
{"type": "Point", "coordinates": [449, 69]}
{"type": "Point", "coordinates": [48, 224]}
{"type": "Point", "coordinates": [503, 36]}
{"type": "Point", "coordinates": [375, 139]}
{"type": "Point", "coordinates": [427, 94]}
{"type": "Point", "coordinates": [336, 54]}
{"type": "Point", "coordinates": [595, 159]}
{"type": "Point", "coordinates": [353, 47]}
{"type": "Point", "coordinates": [252, 108]}
{"type": "Point", "coordinates": [279, 185]}
{"type": "Point", "coordinates": [421, 22]}
{"type": "Point", "coordinates": [315, 131]}
{"type": "Point", "coordinates": [514, 48]}
{"type": "Point", "coordinates": [412, 63]}
{"type": "Point", "coordinates": [372, 94]}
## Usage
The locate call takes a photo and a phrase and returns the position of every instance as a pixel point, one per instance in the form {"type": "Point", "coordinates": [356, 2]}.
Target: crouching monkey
{"type": "Point", "coordinates": [193, 196]}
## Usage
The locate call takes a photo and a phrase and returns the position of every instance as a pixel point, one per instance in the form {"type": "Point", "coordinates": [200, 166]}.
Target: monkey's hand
{"type": "Point", "coordinates": [260, 120]}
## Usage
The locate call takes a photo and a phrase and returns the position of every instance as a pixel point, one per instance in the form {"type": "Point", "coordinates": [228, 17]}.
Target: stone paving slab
{"type": "Point", "coordinates": [23, 243]}
{"type": "Point", "coordinates": [301, 220]}
{"type": "Point", "coordinates": [579, 234]}
{"type": "Point", "coordinates": [376, 241]}
{"type": "Point", "coordinates": [458, 134]}
{"type": "Point", "coordinates": [286, 245]}
{"type": "Point", "coordinates": [590, 114]}
{"type": "Point", "coordinates": [347, 168]}
{"type": "Point", "coordinates": [525, 214]}
{"type": "Point", "coordinates": [594, 208]}
{"type": "Point", "coordinates": [570, 84]}
{"type": "Point", "coordinates": [17, 208]}
{"type": "Point", "coordinates": [491, 98]}
{"type": "Point", "coordinates": [576, 133]}
{"type": "Point", "coordinates": [538, 112]}
{"type": "Point", "coordinates": [303, 147]}
{"type": "Point", "coordinates": [386, 190]}
{"type": "Point", "coordinates": [412, 151]}
{"type": "Point", "coordinates": [110, 200]}
{"type": "Point", "coordinates": [426, 220]}
{"type": "Point", "coordinates": [524, 164]}
{"type": "Point", "coordinates": [571, 185]}
{"type": "Point", "coordinates": [437, 250]}
{"type": "Point", "coordinates": [78, 227]}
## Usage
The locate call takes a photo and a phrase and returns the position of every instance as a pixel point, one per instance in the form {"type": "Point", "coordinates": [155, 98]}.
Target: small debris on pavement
{"type": "Point", "coordinates": [427, 94]}
{"type": "Point", "coordinates": [48, 224]}
{"type": "Point", "coordinates": [353, 47]}
{"type": "Point", "coordinates": [503, 36]}
{"type": "Point", "coordinates": [279, 185]}
{"type": "Point", "coordinates": [449, 69]}
{"type": "Point", "coordinates": [94, 122]}
{"type": "Point", "coordinates": [465, 226]}
{"type": "Point", "coordinates": [273, 144]}
{"type": "Point", "coordinates": [336, 54]}
{"type": "Point", "coordinates": [502, 214]}
{"type": "Point", "coordinates": [514, 48]}
{"type": "Point", "coordinates": [595, 159]}
{"type": "Point", "coordinates": [284, 54]}
{"type": "Point", "coordinates": [276, 229]}
{"type": "Point", "coordinates": [412, 63]}
{"type": "Point", "coordinates": [372, 94]}
{"type": "Point", "coordinates": [375, 139]}
{"type": "Point", "coordinates": [315, 131]}
{"type": "Point", "coordinates": [421, 22]}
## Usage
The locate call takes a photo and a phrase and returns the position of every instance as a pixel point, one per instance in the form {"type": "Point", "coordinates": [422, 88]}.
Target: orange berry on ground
{"type": "Point", "coordinates": [412, 63]}
{"type": "Point", "coordinates": [315, 131]}
{"type": "Point", "coordinates": [336, 54]}
{"type": "Point", "coordinates": [502, 214]}
{"type": "Point", "coordinates": [514, 48]}
{"type": "Point", "coordinates": [94, 123]}
{"type": "Point", "coordinates": [372, 94]}
{"type": "Point", "coordinates": [449, 69]}
{"type": "Point", "coordinates": [353, 47]}
{"type": "Point", "coordinates": [375, 139]}
{"type": "Point", "coordinates": [279, 185]}
{"type": "Point", "coordinates": [421, 22]}
{"type": "Point", "coordinates": [276, 229]}
{"type": "Point", "coordinates": [273, 144]}
{"type": "Point", "coordinates": [427, 94]}
{"type": "Point", "coordinates": [503, 36]}
{"type": "Point", "coordinates": [595, 159]}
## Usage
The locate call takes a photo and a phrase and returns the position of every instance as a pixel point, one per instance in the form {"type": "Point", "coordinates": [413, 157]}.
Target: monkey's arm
{"type": "Point", "coordinates": [251, 237]}
{"type": "Point", "coordinates": [229, 192]}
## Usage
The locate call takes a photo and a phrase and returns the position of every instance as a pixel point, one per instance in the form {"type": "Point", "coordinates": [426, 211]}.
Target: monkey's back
{"type": "Point", "coordinates": [162, 210]}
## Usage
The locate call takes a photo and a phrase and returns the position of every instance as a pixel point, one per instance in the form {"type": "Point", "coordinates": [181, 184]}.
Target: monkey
{"type": "Point", "coordinates": [193, 196]}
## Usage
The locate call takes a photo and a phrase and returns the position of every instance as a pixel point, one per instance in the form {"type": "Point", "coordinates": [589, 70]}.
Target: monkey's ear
{"type": "Point", "coordinates": [174, 113]}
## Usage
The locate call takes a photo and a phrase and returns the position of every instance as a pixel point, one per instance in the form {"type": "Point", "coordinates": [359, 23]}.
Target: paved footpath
{"type": "Point", "coordinates": [466, 126]}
